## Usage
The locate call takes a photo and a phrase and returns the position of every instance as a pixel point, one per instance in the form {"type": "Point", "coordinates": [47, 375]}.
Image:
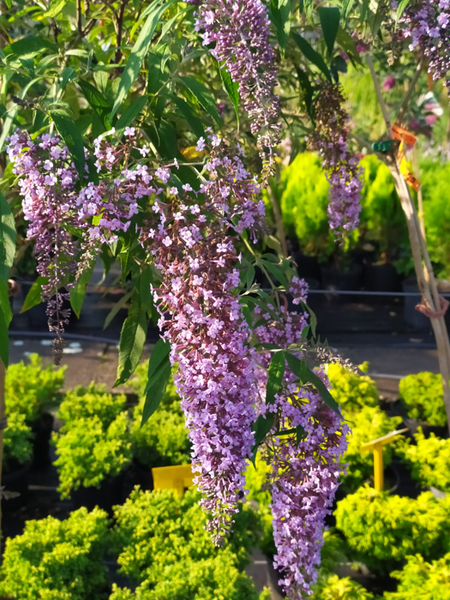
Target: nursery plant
{"type": "Point", "coordinates": [82, 403]}
{"type": "Point", "coordinates": [352, 391]}
{"type": "Point", "coordinates": [429, 460]}
{"type": "Point", "coordinates": [333, 587]}
{"type": "Point", "coordinates": [146, 131]}
{"type": "Point", "coordinates": [383, 529]}
{"type": "Point", "coordinates": [30, 389]}
{"type": "Point", "coordinates": [421, 579]}
{"type": "Point", "coordinates": [55, 559]}
{"type": "Point", "coordinates": [422, 398]}
{"type": "Point", "coordinates": [367, 425]}
{"type": "Point", "coordinates": [17, 443]}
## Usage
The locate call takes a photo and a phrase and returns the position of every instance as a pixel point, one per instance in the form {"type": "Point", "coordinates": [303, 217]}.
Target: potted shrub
{"type": "Point", "coordinates": [164, 547]}
{"type": "Point", "coordinates": [383, 529]}
{"type": "Point", "coordinates": [421, 579]}
{"type": "Point", "coordinates": [17, 455]}
{"type": "Point", "coordinates": [93, 447]}
{"type": "Point", "coordinates": [333, 587]}
{"type": "Point", "coordinates": [31, 390]}
{"type": "Point", "coordinates": [429, 460]}
{"type": "Point", "coordinates": [57, 559]}
{"type": "Point", "coordinates": [422, 400]}
{"type": "Point", "coordinates": [350, 390]}
{"type": "Point", "coordinates": [367, 425]}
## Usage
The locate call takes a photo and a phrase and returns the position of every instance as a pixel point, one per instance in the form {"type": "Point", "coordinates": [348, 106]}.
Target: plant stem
{"type": "Point", "coordinates": [278, 221]}
{"type": "Point", "coordinates": [407, 98]}
{"type": "Point", "coordinates": [2, 417]}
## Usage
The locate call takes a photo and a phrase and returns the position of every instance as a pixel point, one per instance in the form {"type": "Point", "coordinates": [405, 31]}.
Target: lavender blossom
{"type": "Point", "coordinates": [342, 170]}
{"type": "Point", "coordinates": [240, 31]}
{"type": "Point", "coordinates": [47, 180]}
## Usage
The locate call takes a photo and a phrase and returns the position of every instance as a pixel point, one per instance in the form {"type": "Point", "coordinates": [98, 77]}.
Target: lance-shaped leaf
{"type": "Point", "coordinates": [304, 373]}
{"type": "Point", "coordinates": [5, 319]}
{"type": "Point", "coordinates": [261, 428]}
{"type": "Point", "coordinates": [138, 53]}
{"type": "Point", "coordinates": [157, 377]}
{"type": "Point", "coordinates": [132, 340]}
{"type": "Point", "coordinates": [329, 20]}
{"type": "Point", "coordinates": [194, 122]}
{"type": "Point", "coordinates": [33, 297]}
{"type": "Point", "coordinates": [203, 96]}
{"type": "Point", "coordinates": [275, 377]}
{"type": "Point", "coordinates": [72, 137]}
{"type": "Point", "coordinates": [10, 115]}
{"type": "Point", "coordinates": [280, 15]}
{"type": "Point", "coordinates": [78, 293]}
{"type": "Point", "coordinates": [7, 238]}
{"type": "Point", "coordinates": [98, 103]}
{"type": "Point", "coordinates": [311, 54]}
{"type": "Point", "coordinates": [232, 90]}
{"type": "Point", "coordinates": [130, 114]}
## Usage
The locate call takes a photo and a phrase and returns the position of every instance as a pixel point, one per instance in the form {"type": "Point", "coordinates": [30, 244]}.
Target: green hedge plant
{"type": "Point", "coordinates": [30, 389]}
{"type": "Point", "coordinates": [382, 529]}
{"type": "Point", "coordinates": [85, 403]}
{"type": "Point", "coordinates": [333, 587]}
{"type": "Point", "coordinates": [423, 399]}
{"type": "Point", "coordinates": [160, 537]}
{"type": "Point", "coordinates": [429, 460]}
{"type": "Point", "coordinates": [422, 580]}
{"type": "Point", "coordinates": [57, 560]}
{"type": "Point", "coordinates": [367, 425]}
{"type": "Point", "coordinates": [260, 499]}
{"type": "Point", "coordinates": [17, 443]}
{"type": "Point", "coordinates": [350, 390]}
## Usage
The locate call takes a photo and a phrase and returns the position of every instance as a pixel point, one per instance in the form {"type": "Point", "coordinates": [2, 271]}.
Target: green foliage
{"type": "Point", "coordinates": [434, 178]}
{"type": "Point", "coordinates": [382, 529]}
{"type": "Point", "coordinates": [88, 452]}
{"type": "Point", "coordinates": [17, 442]}
{"type": "Point", "coordinates": [57, 560]}
{"type": "Point", "coordinates": [332, 587]}
{"type": "Point", "coordinates": [163, 440]}
{"type": "Point", "coordinates": [163, 545]}
{"type": "Point", "coordinates": [423, 397]}
{"type": "Point", "coordinates": [256, 482]}
{"type": "Point", "coordinates": [85, 403]}
{"type": "Point", "coordinates": [429, 460]}
{"type": "Point", "coordinates": [420, 579]}
{"type": "Point", "coordinates": [369, 424]}
{"type": "Point", "coordinates": [350, 390]}
{"type": "Point", "coordinates": [31, 389]}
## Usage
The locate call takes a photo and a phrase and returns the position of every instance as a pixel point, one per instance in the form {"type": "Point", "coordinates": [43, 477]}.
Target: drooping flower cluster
{"type": "Point", "coordinates": [427, 24]}
{"type": "Point", "coordinates": [240, 31]}
{"type": "Point", "coordinates": [342, 170]}
{"type": "Point", "coordinates": [305, 463]}
{"type": "Point", "coordinates": [47, 182]}
{"type": "Point", "coordinates": [202, 319]}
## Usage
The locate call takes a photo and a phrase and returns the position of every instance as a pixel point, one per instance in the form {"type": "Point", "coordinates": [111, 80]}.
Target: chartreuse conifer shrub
{"type": "Point", "coordinates": [350, 390]}
{"type": "Point", "coordinates": [423, 398]}
{"type": "Point", "coordinates": [382, 530]}
{"type": "Point", "coordinates": [369, 424]}
{"type": "Point", "coordinates": [421, 579]}
{"type": "Point", "coordinates": [429, 460]}
{"type": "Point", "coordinates": [17, 443]}
{"type": "Point", "coordinates": [57, 560]}
{"type": "Point", "coordinates": [333, 587]}
{"type": "Point", "coordinates": [163, 440]}
{"type": "Point", "coordinates": [163, 546]}
{"type": "Point", "coordinates": [30, 389]}
{"type": "Point", "coordinates": [94, 442]}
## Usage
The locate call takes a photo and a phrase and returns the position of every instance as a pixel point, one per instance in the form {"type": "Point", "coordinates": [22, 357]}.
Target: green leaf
{"type": "Point", "coordinates": [250, 276]}
{"type": "Point", "coordinates": [155, 389]}
{"type": "Point", "coordinates": [275, 377]}
{"type": "Point", "coordinates": [130, 114]}
{"type": "Point", "coordinates": [204, 97]}
{"type": "Point", "coordinates": [329, 20]}
{"type": "Point", "coordinates": [232, 90]}
{"type": "Point", "coordinates": [12, 112]}
{"type": "Point", "coordinates": [7, 238]}
{"type": "Point", "coordinates": [261, 428]}
{"type": "Point", "coordinates": [132, 340]}
{"type": "Point", "coordinates": [401, 9]}
{"type": "Point", "coordinates": [78, 293]}
{"type": "Point", "coordinates": [307, 90]}
{"type": "Point", "coordinates": [34, 295]}
{"type": "Point", "coordinates": [280, 15]}
{"type": "Point", "coordinates": [145, 281]}
{"type": "Point", "coordinates": [5, 319]}
{"type": "Point", "coordinates": [194, 122]}
{"type": "Point", "coordinates": [309, 52]}
{"type": "Point", "coordinates": [115, 309]}
{"type": "Point", "coordinates": [363, 11]}
{"type": "Point", "coordinates": [72, 137]}
{"type": "Point", "coordinates": [347, 6]}
{"type": "Point", "coordinates": [158, 356]}
{"type": "Point", "coordinates": [301, 370]}
{"type": "Point", "coordinates": [29, 46]}
{"type": "Point", "coordinates": [97, 102]}
{"type": "Point", "coordinates": [347, 44]}
{"type": "Point", "coordinates": [138, 53]}
{"type": "Point", "coordinates": [54, 10]}
{"type": "Point", "coordinates": [5, 304]}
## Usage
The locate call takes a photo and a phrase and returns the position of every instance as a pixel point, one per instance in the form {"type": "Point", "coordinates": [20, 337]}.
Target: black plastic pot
{"type": "Point", "coordinates": [16, 481]}
{"type": "Point", "coordinates": [414, 424]}
{"type": "Point", "coordinates": [332, 279]}
{"type": "Point", "coordinates": [381, 278]}
{"type": "Point", "coordinates": [413, 318]}
{"type": "Point", "coordinates": [42, 429]}
{"type": "Point", "coordinates": [106, 496]}
{"type": "Point", "coordinates": [142, 475]}
{"type": "Point", "coordinates": [308, 267]}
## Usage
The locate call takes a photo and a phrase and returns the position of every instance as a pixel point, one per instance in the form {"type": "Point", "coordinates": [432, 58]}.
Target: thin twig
{"type": "Point", "coordinates": [381, 101]}
{"type": "Point", "coordinates": [407, 98]}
